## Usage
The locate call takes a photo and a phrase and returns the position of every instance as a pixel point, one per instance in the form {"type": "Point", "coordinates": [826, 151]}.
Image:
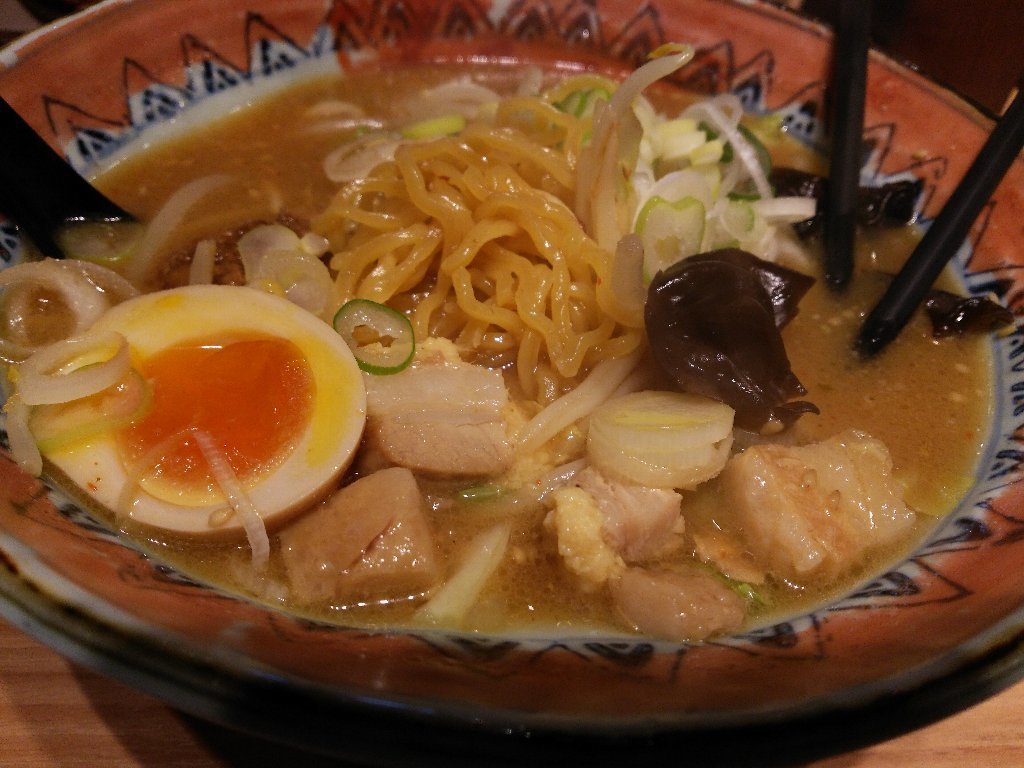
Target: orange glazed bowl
{"type": "Point", "coordinates": [910, 644]}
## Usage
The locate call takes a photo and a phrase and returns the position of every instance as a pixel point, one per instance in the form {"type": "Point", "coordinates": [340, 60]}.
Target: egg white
{"type": "Point", "coordinates": [156, 321]}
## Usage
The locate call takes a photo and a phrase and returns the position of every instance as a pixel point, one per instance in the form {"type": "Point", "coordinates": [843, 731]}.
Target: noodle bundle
{"type": "Point", "coordinates": [474, 236]}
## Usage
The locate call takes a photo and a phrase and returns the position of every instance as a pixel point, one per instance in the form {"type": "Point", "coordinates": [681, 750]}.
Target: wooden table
{"type": "Point", "coordinates": [56, 713]}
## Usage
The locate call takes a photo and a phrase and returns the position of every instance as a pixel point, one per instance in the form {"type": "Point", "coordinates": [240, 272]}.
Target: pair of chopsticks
{"type": "Point", "coordinates": [947, 232]}
{"type": "Point", "coordinates": [949, 229]}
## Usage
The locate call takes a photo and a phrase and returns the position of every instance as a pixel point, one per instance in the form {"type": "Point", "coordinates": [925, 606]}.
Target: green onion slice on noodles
{"type": "Point", "coordinates": [380, 337]}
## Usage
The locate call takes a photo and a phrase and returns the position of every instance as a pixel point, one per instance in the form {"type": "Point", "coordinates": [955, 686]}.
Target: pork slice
{"type": "Point", "coordinates": [440, 418]}
{"type": "Point", "coordinates": [640, 523]}
{"type": "Point", "coordinates": [680, 605]}
{"type": "Point", "coordinates": [370, 541]}
{"type": "Point", "coordinates": [813, 510]}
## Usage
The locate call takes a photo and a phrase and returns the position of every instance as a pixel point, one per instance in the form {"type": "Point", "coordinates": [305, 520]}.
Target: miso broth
{"type": "Point", "coordinates": [928, 401]}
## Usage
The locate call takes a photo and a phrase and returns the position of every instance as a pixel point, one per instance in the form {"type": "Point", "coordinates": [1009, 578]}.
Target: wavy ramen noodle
{"type": "Point", "coordinates": [475, 236]}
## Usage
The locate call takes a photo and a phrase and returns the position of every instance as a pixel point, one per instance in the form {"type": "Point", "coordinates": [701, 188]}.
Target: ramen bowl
{"type": "Point", "coordinates": [930, 635]}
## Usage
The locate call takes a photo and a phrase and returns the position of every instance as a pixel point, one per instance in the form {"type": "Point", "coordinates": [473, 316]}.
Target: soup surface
{"type": "Point", "coordinates": [924, 403]}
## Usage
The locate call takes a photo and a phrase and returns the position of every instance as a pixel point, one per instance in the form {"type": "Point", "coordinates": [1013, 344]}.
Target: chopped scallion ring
{"type": "Point", "coordinates": [580, 103]}
{"type": "Point", "coordinates": [669, 231]}
{"type": "Point", "coordinates": [435, 127]}
{"type": "Point", "coordinates": [102, 242]}
{"type": "Point", "coordinates": [380, 337]}
{"type": "Point", "coordinates": [481, 492]}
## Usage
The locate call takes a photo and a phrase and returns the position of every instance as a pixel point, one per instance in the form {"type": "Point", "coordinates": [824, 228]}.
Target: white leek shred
{"type": "Point", "coordinates": [73, 368]}
{"type": "Point", "coordinates": [231, 487]}
{"type": "Point", "coordinates": [143, 466]}
{"type": "Point", "coordinates": [595, 178]}
{"type": "Point", "coordinates": [573, 406]}
{"type": "Point", "coordinates": [451, 603]}
{"type": "Point", "coordinates": [787, 210]}
{"type": "Point", "coordinates": [723, 113]}
{"type": "Point", "coordinates": [790, 252]}
{"type": "Point", "coordinates": [161, 227]}
{"type": "Point", "coordinates": [204, 258]}
{"type": "Point", "coordinates": [23, 446]}
{"type": "Point", "coordinates": [331, 125]}
{"type": "Point", "coordinates": [559, 477]}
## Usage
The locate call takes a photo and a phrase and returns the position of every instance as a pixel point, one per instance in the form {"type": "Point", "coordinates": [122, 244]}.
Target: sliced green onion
{"type": "Point", "coordinates": [446, 125]}
{"type": "Point", "coordinates": [380, 337]}
{"type": "Point", "coordinates": [102, 242]}
{"type": "Point", "coordinates": [481, 492]}
{"type": "Point", "coordinates": [738, 218]}
{"type": "Point", "coordinates": [768, 128]}
{"type": "Point", "coordinates": [709, 152]}
{"type": "Point", "coordinates": [676, 139]}
{"type": "Point", "coordinates": [747, 591]}
{"type": "Point", "coordinates": [581, 103]}
{"type": "Point", "coordinates": [660, 439]}
{"type": "Point", "coordinates": [59, 425]}
{"type": "Point", "coordinates": [763, 156]}
{"type": "Point", "coordinates": [669, 231]}
{"type": "Point", "coordinates": [712, 135]}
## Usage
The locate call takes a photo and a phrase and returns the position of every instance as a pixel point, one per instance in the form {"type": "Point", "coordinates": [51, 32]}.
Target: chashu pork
{"type": "Point", "coordinates": [441, 417]}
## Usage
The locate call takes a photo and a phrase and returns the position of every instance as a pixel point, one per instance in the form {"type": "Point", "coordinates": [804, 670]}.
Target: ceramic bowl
{"type": "Point", "coordinates": [935, 633]}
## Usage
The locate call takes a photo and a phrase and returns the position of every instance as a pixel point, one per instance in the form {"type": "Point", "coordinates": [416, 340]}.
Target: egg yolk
{"type": "Point", "coordinates": [253, 396]}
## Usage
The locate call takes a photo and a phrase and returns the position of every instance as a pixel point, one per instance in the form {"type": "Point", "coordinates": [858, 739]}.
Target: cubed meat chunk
{"type": "Point", "coordinates": [813, 510]}
{"type": "Point", "coordinates": [639, 523]}
{"type": "Point", "coordinates": [368, 542]}
{"type": "Point", "coordinates": [439, 417]}
{"type": "Point", "coordinates": [601, 525]}
{"type": "Point", "coordinates": [677, 605]}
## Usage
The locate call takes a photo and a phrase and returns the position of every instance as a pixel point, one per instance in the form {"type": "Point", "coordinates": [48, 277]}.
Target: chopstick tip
{"type": "Point", "coordinates": [874, 336]}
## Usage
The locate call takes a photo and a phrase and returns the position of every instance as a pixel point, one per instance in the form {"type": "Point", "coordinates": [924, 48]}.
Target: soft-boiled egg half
{"type": "Point", "coordinates": [272, 388]}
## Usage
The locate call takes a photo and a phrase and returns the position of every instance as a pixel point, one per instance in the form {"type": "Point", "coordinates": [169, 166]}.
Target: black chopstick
{"type": "Point", "coordinates": [946, 233]}
{"type": "Point", "coordinates": [39, 190]}
{"type": "Point", "coordinates": [849, 86]}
